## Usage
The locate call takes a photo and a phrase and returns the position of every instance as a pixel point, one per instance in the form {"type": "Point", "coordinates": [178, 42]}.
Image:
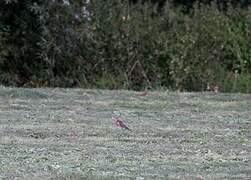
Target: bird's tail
{"type": "Point", "coordinates": [127, 128]}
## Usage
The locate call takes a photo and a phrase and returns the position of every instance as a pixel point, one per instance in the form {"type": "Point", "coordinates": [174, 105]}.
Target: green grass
{"type": "Point", "coordinates": [69, 134]}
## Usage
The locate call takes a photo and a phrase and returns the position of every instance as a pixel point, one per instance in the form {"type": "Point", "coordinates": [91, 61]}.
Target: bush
{"type": "Point", "coordinates": [20, 18]}
{"type": "Point", "coordinates": [114, 44]}
{"type": "Point", "coordinates": [126, 42]}
{"type": "Point", "coordinates": [208, 44]}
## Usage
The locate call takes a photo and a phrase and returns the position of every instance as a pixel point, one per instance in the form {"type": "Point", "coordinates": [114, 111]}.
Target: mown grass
{"type": "Point", "coordinates": [69, 134]}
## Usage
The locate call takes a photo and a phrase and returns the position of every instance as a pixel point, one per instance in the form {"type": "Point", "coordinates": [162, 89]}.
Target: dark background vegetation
{"type": "Point", "coordinates": [179, 45]}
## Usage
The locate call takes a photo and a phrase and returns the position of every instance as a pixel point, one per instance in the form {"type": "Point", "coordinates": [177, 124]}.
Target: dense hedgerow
{"type": "Point", "coordinates": [114, 44]}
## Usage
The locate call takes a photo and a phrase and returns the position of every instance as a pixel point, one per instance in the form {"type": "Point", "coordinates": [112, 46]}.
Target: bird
{"type": "Point", "coordinates": [118, 121]}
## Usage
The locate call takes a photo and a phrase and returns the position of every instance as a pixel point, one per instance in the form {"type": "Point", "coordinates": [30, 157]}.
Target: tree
{"type": "Point", "coordinates": [20, 18]}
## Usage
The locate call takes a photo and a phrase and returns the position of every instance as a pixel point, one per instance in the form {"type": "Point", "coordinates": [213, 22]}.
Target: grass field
{"type": "Point", "coordinates": [69, 134]}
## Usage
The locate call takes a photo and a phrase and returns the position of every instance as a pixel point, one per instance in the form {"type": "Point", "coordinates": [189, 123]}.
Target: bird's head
{"type": "Point", "coordinates": [116, 114]}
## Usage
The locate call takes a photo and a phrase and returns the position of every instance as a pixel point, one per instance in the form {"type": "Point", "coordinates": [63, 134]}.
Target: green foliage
{"type": "Point", "coordinates": [3, 48]}
{"type": "Point", "coordinates": [205, 46]}
{"type": "Point", "coordinates": [24, 31]}
{"type": "Point", "coordinates": [63, 32]}
{"type": "Point", "coordinates": [127, 40]}
{"type": "Point", "coordinates": [112, 44]}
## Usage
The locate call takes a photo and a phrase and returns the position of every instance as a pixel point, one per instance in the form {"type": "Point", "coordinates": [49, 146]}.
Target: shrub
{"type": "Point", "coordinates": [114, 44]}
{"type": "Point", "coordinates": [206, 45]}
